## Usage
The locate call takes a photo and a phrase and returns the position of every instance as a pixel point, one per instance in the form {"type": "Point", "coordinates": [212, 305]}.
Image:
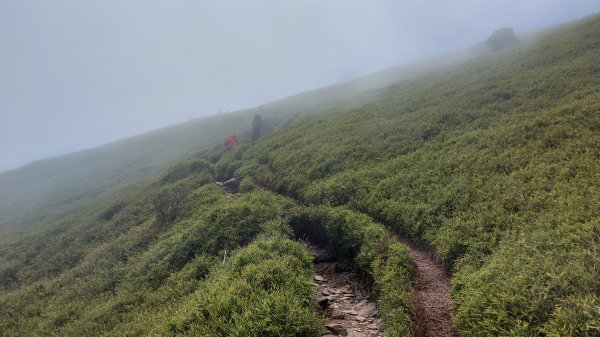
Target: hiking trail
{"type": "Point", "coordinates": [433, 304]}
{"type": "Point", "coordinates": [348, 302]}
{"type": "Point", "coordinates": [345, 300]}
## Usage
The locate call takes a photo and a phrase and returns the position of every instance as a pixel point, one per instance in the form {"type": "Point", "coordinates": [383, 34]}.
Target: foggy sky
{"type": "Point", "coordinates": [77, 74]}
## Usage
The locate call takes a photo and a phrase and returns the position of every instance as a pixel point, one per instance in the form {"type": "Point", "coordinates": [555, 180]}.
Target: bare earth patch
{"type": "Point", "coordinates": [432, 300]}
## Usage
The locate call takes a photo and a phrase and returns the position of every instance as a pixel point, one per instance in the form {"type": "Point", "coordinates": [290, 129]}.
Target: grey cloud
{"type": "Point", "coordinates": [75, 74]}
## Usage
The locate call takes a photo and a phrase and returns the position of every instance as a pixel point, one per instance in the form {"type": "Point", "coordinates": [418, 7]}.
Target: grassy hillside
{"type": "Point", "coordinates": [492, 163]}
{"type": "Point", "coordinates": [44, 192]}
{"type": "Point", "coordinates": [183, 258]}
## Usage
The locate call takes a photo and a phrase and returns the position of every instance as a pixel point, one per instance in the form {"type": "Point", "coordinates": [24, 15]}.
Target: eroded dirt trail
{"type": "Point", "coordinates": [432, 300]}
{"type": "Point", "coordinates": [346, 302]}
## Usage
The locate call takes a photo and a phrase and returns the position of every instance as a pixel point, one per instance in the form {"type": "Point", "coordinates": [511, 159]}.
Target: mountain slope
{"type": "Point", "coordinates": [42, 191]}
{"type": "Point", "coordinates": [492, 164]}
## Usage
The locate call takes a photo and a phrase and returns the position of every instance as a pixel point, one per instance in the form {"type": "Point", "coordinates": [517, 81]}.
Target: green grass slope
{"type": "Point", "coordinates": [43, 192]}
{"type": "Point", "coordinates": [180, 257]}
{"type": "Point", "coordinates": [126, 270]}
{"type": "Point", "coordinates": [49, 187]}
{"type": "Point", "coordinates": [491, 162]}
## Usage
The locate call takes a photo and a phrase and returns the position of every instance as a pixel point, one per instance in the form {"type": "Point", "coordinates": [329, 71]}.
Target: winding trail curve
{"type": "Point", "coordinates": [432, 301]}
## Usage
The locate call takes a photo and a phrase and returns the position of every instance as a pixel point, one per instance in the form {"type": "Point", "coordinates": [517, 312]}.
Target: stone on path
{"type": "Point", "coordinates": [356, 334]}
{"type": "Point", "coordinates": [336, 328]}
{"type": "Point", "coordinates": [368, 310]}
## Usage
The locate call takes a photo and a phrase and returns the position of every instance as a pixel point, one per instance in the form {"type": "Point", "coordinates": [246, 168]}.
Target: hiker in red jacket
{"type": "Point", "coordinates": [230, 141]}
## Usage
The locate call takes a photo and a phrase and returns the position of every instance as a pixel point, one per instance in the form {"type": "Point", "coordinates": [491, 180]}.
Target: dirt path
{"type": "Point", "coordinates": [432, 300]}
{"type": "Point", "coordinates": [349, 306]}
{"type": "Point", "coordinates": [346, 302]}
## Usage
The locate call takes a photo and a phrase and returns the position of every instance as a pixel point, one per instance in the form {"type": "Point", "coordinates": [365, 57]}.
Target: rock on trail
{"type": "Point", "coordinates": [346, 301]}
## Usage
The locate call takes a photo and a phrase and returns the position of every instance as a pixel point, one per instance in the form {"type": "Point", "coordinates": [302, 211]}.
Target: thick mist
{"type": "Point", "coordinates": [76, 74]}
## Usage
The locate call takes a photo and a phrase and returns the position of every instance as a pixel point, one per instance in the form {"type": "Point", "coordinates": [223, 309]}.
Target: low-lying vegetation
{"type": "Point", "coordinates": [265, 289]}
{"type": "Point", "coordinates": [131, 259]}
{"type": "Point", "coordinates": [493, 164]}
{"type": "Point", "coordinates": [490, 164]}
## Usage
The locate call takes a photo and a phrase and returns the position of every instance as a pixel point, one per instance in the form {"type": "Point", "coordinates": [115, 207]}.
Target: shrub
{"type": "Point", "coordinates": [186, 168]}
{"type": "Point", "coordinates": [226, 167]}
{"type": "Point", "coordinates": [167, 205]}
{"type": "Point", "coordinates": [247, 185]}
{"type": "Point", "coordinates": [251, 169]}
{"type": "Point", "coordinates": [264, 289]}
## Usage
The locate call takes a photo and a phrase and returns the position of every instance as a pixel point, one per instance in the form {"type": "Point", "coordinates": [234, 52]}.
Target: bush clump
{"type": "Point", "coordinates": [264, 289]}
{"type": "Point", "coordinates": [186, 168]}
